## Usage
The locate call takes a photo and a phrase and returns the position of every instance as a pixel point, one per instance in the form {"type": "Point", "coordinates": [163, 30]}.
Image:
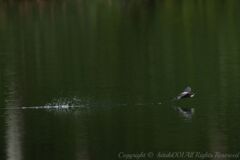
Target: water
{"type": "Point", "coordinates": [94, 79]}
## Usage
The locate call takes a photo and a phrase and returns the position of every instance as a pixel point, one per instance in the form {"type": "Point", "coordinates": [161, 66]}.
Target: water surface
{"type": "Point", "coordinates": [86, 79]}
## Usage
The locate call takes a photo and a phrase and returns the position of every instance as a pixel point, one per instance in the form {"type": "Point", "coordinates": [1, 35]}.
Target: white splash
{"type": "Point", "coordinates": [60, 104]}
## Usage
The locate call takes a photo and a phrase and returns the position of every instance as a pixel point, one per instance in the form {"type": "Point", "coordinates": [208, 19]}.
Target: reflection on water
{"type": "Point", "coordinates": [122, 60]}
{"type": "Point", "coordinates": [14, 121]}
{"type": "Point", "coordinates": [14, 135]}
{"type": "Point", "coordinates": [185, 112]}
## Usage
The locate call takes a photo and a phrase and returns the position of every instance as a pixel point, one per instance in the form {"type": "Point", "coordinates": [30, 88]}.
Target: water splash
{"type": "Point", "coordinates": [61, 104]}
{"type": "Point", "coordinates": [53, 107]}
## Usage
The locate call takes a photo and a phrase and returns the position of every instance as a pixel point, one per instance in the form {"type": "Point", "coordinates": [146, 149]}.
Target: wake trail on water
{"type": "Point", "coordinates": [77, 103]}
{"type": "Point", "coordinates": [56, 104]}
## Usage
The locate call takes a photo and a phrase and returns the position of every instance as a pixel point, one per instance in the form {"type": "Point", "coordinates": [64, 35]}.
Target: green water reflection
{"type": "Point", "coordinates": [119, 59]}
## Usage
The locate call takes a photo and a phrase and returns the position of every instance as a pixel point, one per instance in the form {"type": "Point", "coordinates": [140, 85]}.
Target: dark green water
{"type": "Point", "coordinates": [117, 65]}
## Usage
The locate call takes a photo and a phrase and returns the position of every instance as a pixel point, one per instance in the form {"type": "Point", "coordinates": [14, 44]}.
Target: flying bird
{"type": "Point", "coordinates": [187, 93]}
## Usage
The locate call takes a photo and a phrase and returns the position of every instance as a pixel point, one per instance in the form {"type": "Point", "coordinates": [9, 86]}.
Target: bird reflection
{"type": "Point", "coordinates": [185, 112]}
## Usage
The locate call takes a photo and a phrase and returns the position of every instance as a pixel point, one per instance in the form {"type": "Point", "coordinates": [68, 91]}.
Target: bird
{"type": "Point", "coordinates": [187, 93]}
